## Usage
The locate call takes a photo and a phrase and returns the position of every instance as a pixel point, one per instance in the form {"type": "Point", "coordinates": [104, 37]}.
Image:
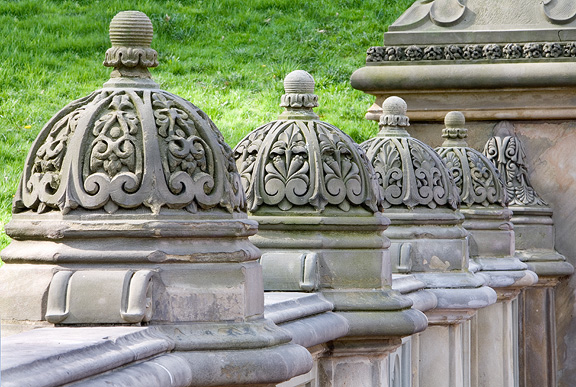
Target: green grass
{"type": "Point", "coordinates": [226, 56]}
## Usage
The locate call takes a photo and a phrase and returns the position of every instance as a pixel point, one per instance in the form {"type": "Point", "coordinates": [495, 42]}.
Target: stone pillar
{"type": "Point", "coordinates": [312, 192]}
{"type": "Point", "coordinates": [495, 61]}
{"type": "Point", "coordinates": [428, 240]}
{"type": "Point", "coordinates": [535, 246]}
{"type": "Point", "coordinates": [492, 247]}
{"type": "Point", "coordinates": [130, 211]}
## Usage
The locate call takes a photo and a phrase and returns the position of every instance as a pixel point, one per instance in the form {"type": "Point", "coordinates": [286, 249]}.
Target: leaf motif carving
{"type": "Point", "coordinates": [507, 154]}
{"type": "Point", "coordinates": [114, 148]}
{"type": "Point", "coordinates": [410, 173]}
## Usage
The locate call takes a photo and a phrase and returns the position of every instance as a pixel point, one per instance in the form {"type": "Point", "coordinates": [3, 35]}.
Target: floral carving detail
{"type": "Point", "coordinates": [513, 51]}
{"type": "Point", "coordinates": [393, 53]}
{"type": "Point", "coordinates": [98, 153]}
{"type": "Point", "coordinates": [472, 51]}
{"type": "Point", "coordinates": [507, 154]}
{"type": "Point", "coordinates": [477, 180]}
{"type": "Point", "coordinates": [492, 51]}
{"type": "Point", "coordinates": [552, 50]}
{"type": "Point", "coordinates": [410, 173]}
{"type": "Point", "coordinates": [532, 50]}
{"type": "Point", "coordinates": [375, 54]}
{"type": "Point", "coordinates": [342, 173]}
{"type": "Point", "coordinates": [286, 181]}
{"type": "Point", "coordinates": [186, 152]}
{"type": "Point", "coordinates": [43, 178]}
{"type": "Point", "coordinates": [453, 52]}
{"type": "Point", "coordinates": [433, 53]}
{"type": "Point", "coordinates": [303, 163]}
{"type": "Point", "coordinates": [114, 148]}
{"type": "Point", "coordinates": [413, 53]}
{"type": "Point", "coordinates": [570, 49]}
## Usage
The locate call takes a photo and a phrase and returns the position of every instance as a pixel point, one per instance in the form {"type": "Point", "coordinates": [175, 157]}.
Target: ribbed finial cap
{"type": "Point", "coordinates": [131, 34]}
{"type": "Point", "coordinates": [299, 82]}
{"type": "Point", "coordinates": [454, 120]}
{"type": "Point", "coordinates": [394, 118]}
{"type": "Point", "coordinates": [455, 130]}
{"type": "Point", "coordinates": [131, 29]}
{"type": "Point", "coordinates": [299, 98]}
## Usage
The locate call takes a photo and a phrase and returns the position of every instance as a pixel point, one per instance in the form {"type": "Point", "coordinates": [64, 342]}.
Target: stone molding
{"type": "Point", "coordinates": [472, 52]}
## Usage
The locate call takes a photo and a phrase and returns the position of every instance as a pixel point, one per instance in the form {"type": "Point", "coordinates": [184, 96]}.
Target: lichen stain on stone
{"type": "Point", "coordinates": [437, 264]}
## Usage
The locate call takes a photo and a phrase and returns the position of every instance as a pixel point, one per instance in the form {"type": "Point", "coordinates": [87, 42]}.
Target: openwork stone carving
{"type": "Point", "coordinates": [409, 172]}
{"type": "Point", "coordinates": [506, 152]}
{"type": "Point", "coordinates": [472, 52]}
{"type": "Point", "coordinates": [130, 147]}
{"type": "Point", "coordinates": [476, 178]}
{"type": "Point", "coordinates": [300, 161]}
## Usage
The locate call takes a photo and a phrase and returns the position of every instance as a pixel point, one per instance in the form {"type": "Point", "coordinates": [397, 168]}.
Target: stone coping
{"type": "Point", "coordinates": [463, 76]}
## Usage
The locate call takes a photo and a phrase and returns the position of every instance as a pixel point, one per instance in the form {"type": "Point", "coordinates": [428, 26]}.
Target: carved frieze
{"type": "Point", "coordinates": [472, 52]}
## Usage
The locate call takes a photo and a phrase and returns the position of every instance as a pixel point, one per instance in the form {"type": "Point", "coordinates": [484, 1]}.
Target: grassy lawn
{"type": "Point", "coordinates": [226, 56]}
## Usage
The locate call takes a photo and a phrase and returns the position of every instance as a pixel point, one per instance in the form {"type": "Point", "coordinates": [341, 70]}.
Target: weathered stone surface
{"type": "Point", "coordinates": [300, 163]}
{"type": "Point", "coordinates": [315, 197]}
{"type": "Point", "coordinates": [130, 211]}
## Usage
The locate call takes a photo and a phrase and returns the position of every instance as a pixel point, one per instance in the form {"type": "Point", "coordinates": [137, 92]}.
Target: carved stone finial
{"type": "Point", "coordinates": [299, 97]}
{"type": "Point", "coordinates": [454, 131]}
{"type": "Point", "coordinates": [476, 178]}
{"type": "Point", "coordinates": [131, 36]}
{"type": "Point", "coordinates": [506, 152]}
{"type": "Point", "coordinates": [130, 145]}
{"type": "Point", "coordinates": [303, 163]}
{"type": "Point", "coordinates": [409, 172]}
{"type": "Point", "coordinates": [393, 119]}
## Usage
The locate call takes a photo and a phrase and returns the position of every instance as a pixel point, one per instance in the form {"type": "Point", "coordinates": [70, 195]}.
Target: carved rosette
{"type": "Point", "coordinates": [129, 148]}
{"type": "Point", "coordinates": [506, 152]}
{"type": "Point", "coordinates": [409, 172]}
{"type": "Point", "coordinates": [303, 162]}
{"type": "Point", "coordinates": [476, 178]}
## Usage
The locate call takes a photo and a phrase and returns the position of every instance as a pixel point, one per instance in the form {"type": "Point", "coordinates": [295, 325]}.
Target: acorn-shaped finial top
{"type": "Point", "coordinates": [394, 119]}
{"type": "Point", "coordinates": [454, 131]}
{"type": "Point", "coordinates": [131, 35]}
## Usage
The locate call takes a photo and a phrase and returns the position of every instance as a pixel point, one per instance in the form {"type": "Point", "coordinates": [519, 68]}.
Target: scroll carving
{"type": "Point", "coordinates": [559, 11]}
{"type": "Point", "coordinates": [506, 152]}
{"type": "Point", "coordinates": [303, 163]}
{"type": "Point", "coordinates": [99, 153]}
{"type": "Point", "coordinates": [476, 179]}
{"type": "Point", "coordinates": [410, 174]}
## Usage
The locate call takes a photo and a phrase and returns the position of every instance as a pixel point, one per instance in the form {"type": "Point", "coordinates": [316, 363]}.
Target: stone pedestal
{"type": "Point", "coordinates": [131, 212]}
{"type": "Point", "coordinates": [494, 61]}
{"type": "Point", "coordinates": [312, 191]}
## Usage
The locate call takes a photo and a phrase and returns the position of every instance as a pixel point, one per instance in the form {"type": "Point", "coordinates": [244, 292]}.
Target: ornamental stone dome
{"type": "Point", "coordinates": [409, 172]}
{"type": "Point", "coordinates": [476, 178]}
{"type": "Point", "coordinates": [301, 163]}
{"type": "Point", "coordinates": [130, 145]}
